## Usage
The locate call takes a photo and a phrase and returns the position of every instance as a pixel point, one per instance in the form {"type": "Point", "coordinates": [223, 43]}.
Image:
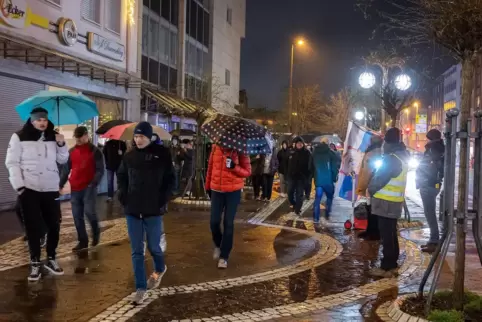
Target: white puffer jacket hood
{"type": "Point", "coordinates": [33, 158]}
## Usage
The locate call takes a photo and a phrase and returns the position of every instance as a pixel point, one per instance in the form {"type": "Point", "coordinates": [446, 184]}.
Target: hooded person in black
{"type": "Point", "coordinates": [283, 161]}
{"type": "Point", "coordinates": [429, 178]}
{"type": "Point", "coordinates": [299, 172]}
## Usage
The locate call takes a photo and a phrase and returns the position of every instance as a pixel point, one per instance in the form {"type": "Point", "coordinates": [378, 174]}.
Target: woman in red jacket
{"type": "Point", "coordinates": [224, 182]}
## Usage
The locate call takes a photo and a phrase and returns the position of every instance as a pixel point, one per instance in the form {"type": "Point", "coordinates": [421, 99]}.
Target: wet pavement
{"type": "Point", "coordinates": [282, 267]}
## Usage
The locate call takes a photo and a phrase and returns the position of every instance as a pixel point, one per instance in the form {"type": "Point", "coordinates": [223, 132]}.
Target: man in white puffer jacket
{"type": "Point", "coordinates": [32, 161]}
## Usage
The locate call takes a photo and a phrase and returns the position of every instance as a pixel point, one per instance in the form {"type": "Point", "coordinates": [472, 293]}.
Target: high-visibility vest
{"type": "Point", "coordinates": [395, 189]}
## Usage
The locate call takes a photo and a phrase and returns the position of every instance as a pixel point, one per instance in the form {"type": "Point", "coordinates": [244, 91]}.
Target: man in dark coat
{"type": "Point", "coordinates": [113, 152]}
{"type": "Point", "coordinates": [283, 162]}
{"type": "Point", "coordinates": [429, 178]}
{"type": "Point", "coordinates": [145, 180]}
{"type": "Point", "coordinates": [299, 172]}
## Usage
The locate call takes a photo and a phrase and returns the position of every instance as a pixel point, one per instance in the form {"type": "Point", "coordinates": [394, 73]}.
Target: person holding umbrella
{"type": "Point", "coordinates": [32, 157]}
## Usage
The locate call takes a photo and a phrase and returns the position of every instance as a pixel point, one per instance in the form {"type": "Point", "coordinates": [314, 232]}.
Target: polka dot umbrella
{"type": "Point", "coordinates": [238, 134]}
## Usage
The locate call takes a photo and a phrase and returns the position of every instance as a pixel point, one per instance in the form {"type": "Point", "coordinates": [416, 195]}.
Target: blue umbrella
{"type": "Point", "coordinates": [63, 107]}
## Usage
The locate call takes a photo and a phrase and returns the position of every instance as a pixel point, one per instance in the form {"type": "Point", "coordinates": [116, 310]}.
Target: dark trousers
{"type": "Point", "coordinates": [389, 236]}
{"type": "Point", "coordinates": [257, 183]}
{"type": "Point", "coordinates": [39, 208]}
{"type": "Point", "coordinates": [267, 186]}
{"type": "Point", "coordinates": [83, 204]}
{"type": "Point", "coordinates": [372, 225]}
{"type": "Point", "coordinates": [308, 186]}
{"type": "Point", "coordinates": [110, 183]}
{"type": "Point", "coordinates": [19, 212]}
{"type": "Point", "coordinates": [296, 189]}
{"type": "Point", "coordinates": [223, 208]}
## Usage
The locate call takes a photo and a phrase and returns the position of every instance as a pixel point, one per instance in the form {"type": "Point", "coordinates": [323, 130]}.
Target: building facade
{"type": "Point", "coordinates": [190, 57]}
{"type": "Point", "coordinates": [87, 46]}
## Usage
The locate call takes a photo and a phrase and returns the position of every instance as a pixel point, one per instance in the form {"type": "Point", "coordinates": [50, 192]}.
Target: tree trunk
{"type": "Point", "coordinates": [468, 67]}
{"type": "Point", "coordinates": [394, 120]}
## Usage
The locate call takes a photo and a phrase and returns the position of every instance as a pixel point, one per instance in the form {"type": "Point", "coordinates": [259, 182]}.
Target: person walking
{"type": "Point", "coordinates": [299, 172]}
{"type": "Point", "coordinates": [387, 188]}
{"type": "Point", "coordinates": [309, 181]}
{"type": "Point", "coordinates": [32, 157]}
{"type": "Point", "coordinates": [227, 170]}
{"type": "Point", "coordinates": [368, 167]}
{"type": "Point", "coordinates": [177, 163]}
{"type": "Point", "coordinates": [187, 172]}
{"type": "Point", "coordinates": [113, 152]}
{"type": "Point", "coordinates": [430, 173]}
{"type": "Point", "coordinates": [269, 170]}
{"type": "Point", "coordinates": [145, 180]}
{"type": "Point", "coordinates": [283, 161]}
{"type": "Point", "coordinates": [86, 169]}
{"type": "Point", "coordinates": [326, 166]}
{"type": "Point", "coordinates": [257, 166]}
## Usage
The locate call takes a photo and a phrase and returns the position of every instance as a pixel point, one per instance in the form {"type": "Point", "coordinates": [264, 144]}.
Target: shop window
{"type": "Point", "coordinates": [113, 15]}
{"type": "Point", "coordinates": [229, 16]}
{"type": "Point", "coordinates": [90, 10]}
{"type": "Point", "coordinates": [227, 77]}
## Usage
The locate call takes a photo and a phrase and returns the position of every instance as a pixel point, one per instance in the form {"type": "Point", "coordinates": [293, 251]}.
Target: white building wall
{"type": "Point", "coordinates": [226, 51]}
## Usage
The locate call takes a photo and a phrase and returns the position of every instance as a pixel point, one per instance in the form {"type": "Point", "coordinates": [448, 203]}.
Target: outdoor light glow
{"type": "Point", "coordinates": [131, 12]}
{"type": "Point", "coordinates": [300, 42]}
{"type": "Point", "coordinates": [359, 115]}
{"type": "Point", "coordinates": [367, 80]}
{"type": "Point", "coordinates": [413, 163]}
{"type": "Point", "coordinates": [378, 163]}
{"type": "Point", "coordinates": [416, 105]}
{"type": "Point", "coordinates": [403, 82]}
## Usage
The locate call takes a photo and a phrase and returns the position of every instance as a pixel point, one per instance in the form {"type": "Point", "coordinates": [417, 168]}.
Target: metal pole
{"type": "Point", "coordinates": [290, 94]}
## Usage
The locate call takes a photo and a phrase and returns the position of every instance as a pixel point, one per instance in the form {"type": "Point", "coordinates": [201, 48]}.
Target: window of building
{"type": "Point", "coordinates": [153, 39]}
{"type": "Point", "coordinates": [145, 33]}
{"type": "Point", "coordinates": [227, 77]}
{"type": "Point", "coordinates": [229, 16]}
{"type": "Point", "coordinates": [90, 10]}
{"type": "Point", "coordinates": [113, 15]}
{"type": "Point", "coordinates": [55, 2]}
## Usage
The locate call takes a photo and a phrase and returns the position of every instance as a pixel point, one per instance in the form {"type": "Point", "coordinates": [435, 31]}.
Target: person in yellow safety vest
{"type": "Point", "coordinates": [387, 189]}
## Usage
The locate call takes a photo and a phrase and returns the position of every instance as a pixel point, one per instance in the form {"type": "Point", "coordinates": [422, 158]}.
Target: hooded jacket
{"type": "Point", "coordinates": [430, 171]}
{"type": "Point", "coordinates": [325, 165]}
{"type": "Point", "coordinates": [300, 163]}
{"type": "Point", "coordinates": [283, 158]}
{"type": "Point", "coordinates": [145, 180]}
{"type": "Point", "coordinates": [221, 179]}
{"type": "Point", "coordinates": [391, 168]}
{"type": "Point", "coordinates": [33, 157]}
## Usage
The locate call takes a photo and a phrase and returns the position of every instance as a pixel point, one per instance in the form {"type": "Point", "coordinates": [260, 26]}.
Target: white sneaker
{"type": "Point", "coordinates": [163, 243]}
{"type": "Point", "coordinates": [216, 253]}
{"type": "Point", "coordinates": [155, 279]}
{"type": "Point", "coordinates": [222, 263]}
{"type": "Point", "coordinates": [139, 297]}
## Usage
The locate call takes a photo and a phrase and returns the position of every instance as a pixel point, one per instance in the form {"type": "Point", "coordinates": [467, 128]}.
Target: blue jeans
{"type": "Point", "coordinates": [110, 183]}
{"type": "Point", "coordinates": [137, 228]}
{"type": "Point", "coordinates": [329, 190]}
{"type": "Point", "coordinates": [83, 204]}
{"type": "Point", "coordinates": [227, 203]}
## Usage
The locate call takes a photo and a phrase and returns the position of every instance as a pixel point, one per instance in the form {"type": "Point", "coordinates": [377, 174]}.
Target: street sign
{"type": "Point", "coordinates": [421, 128]}
{"type": "Point", "coordinates": [421, 119]}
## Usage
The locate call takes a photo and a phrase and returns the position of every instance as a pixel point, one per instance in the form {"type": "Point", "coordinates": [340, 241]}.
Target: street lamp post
{"type": "Point", "coordinates": [299, 42]}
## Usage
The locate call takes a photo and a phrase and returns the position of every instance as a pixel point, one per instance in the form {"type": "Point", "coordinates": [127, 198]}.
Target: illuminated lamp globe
{"type": "Point", "coordinates": [403, 82]}
{"type": "Point", "coordinates": [359, 115]}
{"type": "Point", "coordinates": [366, 80]}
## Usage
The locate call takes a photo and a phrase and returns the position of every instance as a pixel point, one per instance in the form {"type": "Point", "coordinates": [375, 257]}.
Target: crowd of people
{"type": "Point", "coordinates": [148, 174]}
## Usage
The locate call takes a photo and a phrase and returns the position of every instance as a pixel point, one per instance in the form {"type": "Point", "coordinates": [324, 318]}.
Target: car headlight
{"type": "Point", "coordinates": [413, 163]}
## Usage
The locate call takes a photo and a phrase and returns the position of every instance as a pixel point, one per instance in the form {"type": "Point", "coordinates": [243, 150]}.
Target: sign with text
{"type": "Point", "coordinates": [421, 128]}
{"type": "Point", "coordinates": [421, 119]}
{"type": "Point", "coordinates": [105, 47]}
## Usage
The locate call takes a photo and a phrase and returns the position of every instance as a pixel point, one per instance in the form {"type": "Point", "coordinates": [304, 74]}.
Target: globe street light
{"type": "Point", "coordinates": [403, 82]}
{"type": "Point", "coordinates": [367, 80]}
{"type": "Point", "coordinates": [359, 115]}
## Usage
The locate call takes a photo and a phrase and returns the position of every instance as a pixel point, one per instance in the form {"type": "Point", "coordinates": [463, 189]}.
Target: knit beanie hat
{"type": "Point", "coordinates": [38, 113]}
{"type": "Point", "coordinates": [298, 139]}
{"type": "Point", "coordinates": [393, 135]}
{"type": "Point", "coordinates": [144, 128]}
{"type": "Point", "coordinates": [434, 134]}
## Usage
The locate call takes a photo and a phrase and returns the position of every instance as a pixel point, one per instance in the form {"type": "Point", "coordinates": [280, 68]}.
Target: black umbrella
{"type": "Point", "coordinates": [238, 134]}
{"type": "Point", "coordinates": [183, 132]}
{"type": "Point", "coordinates": [110, 124]}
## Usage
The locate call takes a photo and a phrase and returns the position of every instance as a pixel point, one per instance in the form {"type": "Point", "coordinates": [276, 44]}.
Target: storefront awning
{"type": "Point", "coordinates": [34, 54]}
{"type": "Point", "coordinates": [170, 103]}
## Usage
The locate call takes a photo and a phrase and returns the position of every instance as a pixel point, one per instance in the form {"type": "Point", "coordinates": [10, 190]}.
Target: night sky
{"type": "Point", "coordinates": [338, 35]}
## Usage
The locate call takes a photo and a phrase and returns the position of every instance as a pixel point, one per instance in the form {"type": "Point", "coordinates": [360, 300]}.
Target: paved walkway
{"type": "Point", "coordinates": [282, 268]}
